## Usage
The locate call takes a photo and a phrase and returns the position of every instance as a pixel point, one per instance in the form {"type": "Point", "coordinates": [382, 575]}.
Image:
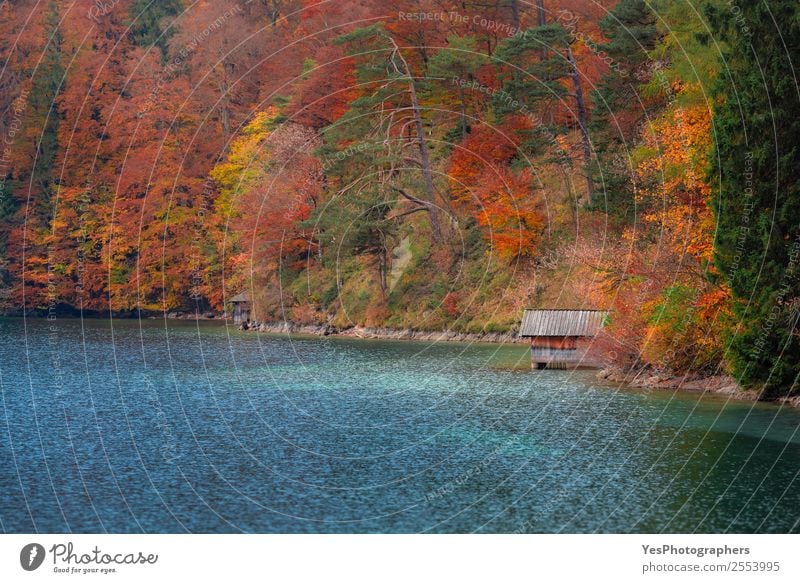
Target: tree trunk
{"type": "Point", "coordinates": [463, 112]}
{"type": "Point", "coordinates": [427, 173]}
{"type": "Point", "coordinates": [274, 10]}
{"type": "Point", "coordinates": [515, 15]}
{"type": "Point", "coordinates": [382, 268]}
{"type": "Point", "coordinates": [541, 19]}
{"type": "Point", "coordinates": [433, 211]}
{"type": "Point", "coordinates": [582, 122]}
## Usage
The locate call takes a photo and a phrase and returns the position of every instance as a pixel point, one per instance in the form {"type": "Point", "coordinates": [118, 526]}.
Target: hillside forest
{"type": "Point", "coordinates": [425, 164]}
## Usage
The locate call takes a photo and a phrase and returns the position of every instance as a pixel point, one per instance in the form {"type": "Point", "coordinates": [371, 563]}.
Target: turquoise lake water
{"type": "Point", "coordinates": [182, 427]}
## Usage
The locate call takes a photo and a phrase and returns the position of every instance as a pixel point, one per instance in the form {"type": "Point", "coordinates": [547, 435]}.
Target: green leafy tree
{"type": "Point", "coordinates": [455, 66]}
{"type": "Point", "coordinates": [388, 121]}
{"type": "Point", "coordinates": [548, 72]}
{"type": "Point", "coordinates": [148, 30]}
{"type": "Point", "coordinates": [632, 34]}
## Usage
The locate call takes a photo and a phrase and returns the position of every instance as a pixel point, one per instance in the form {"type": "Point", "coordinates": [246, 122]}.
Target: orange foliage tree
{"type": "Point", "coordinates": [499, 199]}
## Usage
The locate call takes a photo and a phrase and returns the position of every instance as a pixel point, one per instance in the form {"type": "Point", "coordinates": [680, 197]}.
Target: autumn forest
{"type": "Point", "coordinates": [426, 164]}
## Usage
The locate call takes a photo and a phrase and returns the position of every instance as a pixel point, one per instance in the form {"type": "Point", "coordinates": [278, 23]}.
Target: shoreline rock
{"type": "Point", "coordinates": [384, 333]}
{"type": "Point", "coordinates": [644, 378]}
{"type": "Point", "coordinates": [722, 384]}
{"type": "Point", "coordinates": [73, 314]}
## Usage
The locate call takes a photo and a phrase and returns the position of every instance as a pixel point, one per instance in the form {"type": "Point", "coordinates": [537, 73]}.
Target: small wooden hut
{"type": "Point", "coordinates": [241, 308]}
{"type": "Point", "coordinates": [560, 338]}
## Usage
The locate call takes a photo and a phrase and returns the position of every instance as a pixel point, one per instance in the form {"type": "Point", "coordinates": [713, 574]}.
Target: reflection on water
{"type": "Point", "coordinates": [206, 429]}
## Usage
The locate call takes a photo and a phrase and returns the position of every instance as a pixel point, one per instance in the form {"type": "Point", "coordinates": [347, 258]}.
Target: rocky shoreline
{"type": "Point", "coordinates": [646, 378]}
{"type": "Point", "coordinates": [71, 313]}
{"type": "Point", "coordinates": [722, 384]}
{"type": "Point", "coordinates": [384, 333]}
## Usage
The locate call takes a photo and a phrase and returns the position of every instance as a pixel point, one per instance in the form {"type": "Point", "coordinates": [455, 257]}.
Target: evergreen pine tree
{"type": "Point", "coordinates": [757, 164]}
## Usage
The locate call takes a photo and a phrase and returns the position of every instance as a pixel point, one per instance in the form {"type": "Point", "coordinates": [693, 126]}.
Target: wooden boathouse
{"type": "Point", "coordinates": [560, 338]}
{"type": "Point", "coordinates": [241, 308]}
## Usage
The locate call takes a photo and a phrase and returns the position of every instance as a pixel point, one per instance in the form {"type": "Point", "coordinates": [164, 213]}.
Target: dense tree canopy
{"type": "Point", "coordinates": [427, 164]}
{"type": "Point", "coordinates": [757, 159]}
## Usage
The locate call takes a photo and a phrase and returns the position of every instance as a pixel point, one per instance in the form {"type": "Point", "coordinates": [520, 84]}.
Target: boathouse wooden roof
{"type": "Point", "coordinates": [561, 323]}
{"type": "Point", "coordinates": [240, 297]}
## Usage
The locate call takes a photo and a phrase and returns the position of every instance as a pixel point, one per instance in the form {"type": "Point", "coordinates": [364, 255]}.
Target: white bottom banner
{"type": "Point", "coordinates": [381, 558]}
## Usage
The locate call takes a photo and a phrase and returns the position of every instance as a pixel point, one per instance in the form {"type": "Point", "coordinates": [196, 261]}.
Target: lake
{"type": "Point", "coordinates": [153, 426]}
